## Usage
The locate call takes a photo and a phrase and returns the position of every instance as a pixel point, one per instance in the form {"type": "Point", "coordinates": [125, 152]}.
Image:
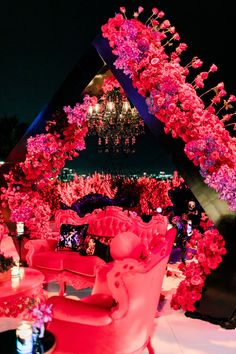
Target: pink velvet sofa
{"type": "Point", "coordinates": [79, 271]}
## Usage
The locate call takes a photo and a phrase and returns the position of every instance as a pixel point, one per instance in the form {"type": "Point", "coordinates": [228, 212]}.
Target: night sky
{"type": "Point", "coordinates": [41, 41]}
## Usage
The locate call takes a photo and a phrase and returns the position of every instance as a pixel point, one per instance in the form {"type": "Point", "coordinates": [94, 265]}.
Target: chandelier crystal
{"type": "Point", "coordinates": [115, 122]}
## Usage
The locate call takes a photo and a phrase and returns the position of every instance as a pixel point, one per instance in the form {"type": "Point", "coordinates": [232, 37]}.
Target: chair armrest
{"type": "Point", "coordinates": [77, 311]}
{"type": "Point", "coordinates": [101, 300]}
{"type": "Point", "coordinates": [35, 246]}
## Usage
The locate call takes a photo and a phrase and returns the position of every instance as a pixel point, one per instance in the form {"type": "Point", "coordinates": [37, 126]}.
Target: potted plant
{"type": "Point", "coordinates": [6, 263]}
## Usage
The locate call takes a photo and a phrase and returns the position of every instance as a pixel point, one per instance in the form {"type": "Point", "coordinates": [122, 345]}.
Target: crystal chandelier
{"type": "Point", "coordinates": [115, 122]}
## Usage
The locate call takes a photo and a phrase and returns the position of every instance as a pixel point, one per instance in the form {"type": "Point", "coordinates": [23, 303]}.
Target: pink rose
{"type": "Point", "coordinates": [196, 280]}
{"type": "Point", "coordinates": [213, 68]}
{"type": "Point", "coordinates": [155, 11]}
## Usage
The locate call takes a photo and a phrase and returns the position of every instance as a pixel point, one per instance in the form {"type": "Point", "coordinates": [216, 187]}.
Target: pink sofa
{"type": "Point", "coordinates": [79, 271]}
{"type": "Point", "coordinates": [119, 316]}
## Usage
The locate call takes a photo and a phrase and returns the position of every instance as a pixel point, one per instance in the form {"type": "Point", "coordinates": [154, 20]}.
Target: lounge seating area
{"type": "Point", "coordinates": [116, 317]}
{"type": "Point", "coordinates": [69, 267]}
{"type": "Point", "coordinates": [138, 255]}
{"type": "Point", "coordinates": [118, 258]}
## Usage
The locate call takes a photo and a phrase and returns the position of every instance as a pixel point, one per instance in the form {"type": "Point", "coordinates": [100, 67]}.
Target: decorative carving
{"type": "Point", "coordinates": [77, 281]}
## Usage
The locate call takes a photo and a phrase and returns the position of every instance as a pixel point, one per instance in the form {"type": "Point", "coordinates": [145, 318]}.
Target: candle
{"type": "Point", "coordinates": [20, 228]}
{"type": "Point", "coordinates": [15, 271]}
{"type": "Point", "coordinates": [15, 282]}
{"type": "Point", "coordinates": [24, 342]}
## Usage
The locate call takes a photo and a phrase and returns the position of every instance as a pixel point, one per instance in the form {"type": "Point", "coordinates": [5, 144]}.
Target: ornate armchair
{"type": "Point", "coordinates": [120, 319]}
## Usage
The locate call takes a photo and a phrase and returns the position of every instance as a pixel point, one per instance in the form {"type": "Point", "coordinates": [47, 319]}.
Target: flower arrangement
{"type": "Point", "coordinates": [209, 251]}
{"type": "Point", "coordinates": [39, 312]}
{"type": "Point", "coordinates": [150, 54]}
{"type": "Point", "coordinates": [6, 263]}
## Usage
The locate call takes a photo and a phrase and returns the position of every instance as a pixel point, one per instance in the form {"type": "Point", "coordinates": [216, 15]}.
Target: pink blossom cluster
{"type": "Point", "coordinates": [209, 153]}
{"type": "Point", "coordinates": [109, 83]}
{"type": "Point", "coordinates": [224, 182]}
{"type": "Point", "coordinates": [45, 157]}
{"type": "Point", "coordinates": [210, 248]}
{"type": "Point", "coordinates": [81, 186]}
{"type": "Point", "coordinates": [39, 312]}
{"type": "Point", "coordinates": [153, 194]}
{"type": "Point", "coordinates": [78, 113]}
{"type": "Point", "coordinates": [28, 206]}
{"type": "Point", "coordinates": [143, 53]}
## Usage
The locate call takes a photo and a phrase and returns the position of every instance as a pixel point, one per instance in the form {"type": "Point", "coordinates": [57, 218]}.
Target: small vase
{"type": "Point", "coordinates": [38, 334]}
{"type": "Point", "coordinates": [41, 331]}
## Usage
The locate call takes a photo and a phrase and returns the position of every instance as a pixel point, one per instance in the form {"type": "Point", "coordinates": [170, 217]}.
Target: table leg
{"type": "Point", "coordinates": [62, 285]}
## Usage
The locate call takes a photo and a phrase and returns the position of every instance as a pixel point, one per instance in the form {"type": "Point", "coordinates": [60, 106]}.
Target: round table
{"type": "Point", "coordinates": [16, 292]}
{"type": "Point", "coordinates": [8, 342]}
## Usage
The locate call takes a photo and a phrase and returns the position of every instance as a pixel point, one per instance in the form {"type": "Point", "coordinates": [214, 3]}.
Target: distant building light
{"type": "Point", "coordinates": [2, 162]}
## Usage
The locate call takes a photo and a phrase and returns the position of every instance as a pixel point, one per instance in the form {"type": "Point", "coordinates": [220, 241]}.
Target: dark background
{"type": "Point", "coordinates": [43, 40]}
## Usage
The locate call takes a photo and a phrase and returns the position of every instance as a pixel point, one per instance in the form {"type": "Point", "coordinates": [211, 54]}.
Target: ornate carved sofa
{"type": "Point", "coordinates": [79, 271]}
{"type": "Point", "coordinates": [119, 316]}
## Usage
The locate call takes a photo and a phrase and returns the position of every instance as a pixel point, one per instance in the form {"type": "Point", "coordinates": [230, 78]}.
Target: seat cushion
{"type": "Point", "coordinates": [51, 259]}
{"type": "Point", "coordinates": [83, 265]}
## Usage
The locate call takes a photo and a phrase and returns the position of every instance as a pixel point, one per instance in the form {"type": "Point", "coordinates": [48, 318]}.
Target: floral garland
{"type": "Point", "coordinates": [143, 53]}
{"type": "Point", "coordinates": [45, 157]}
{"type": "Point", "coordinates": [210, 248]}
{"type": "Point", "coordinates": [38, 311]}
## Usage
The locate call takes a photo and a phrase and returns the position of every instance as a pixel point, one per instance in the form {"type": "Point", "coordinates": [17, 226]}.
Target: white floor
{"type": "Point", "coordinates": [174, 333]}
{"type": "Point", "coordinates": [177, 334]}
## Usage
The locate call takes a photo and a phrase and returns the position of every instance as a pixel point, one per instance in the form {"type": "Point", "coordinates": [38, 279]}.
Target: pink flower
{"type": "Point", "coordinates": [232, 98]}
{"type": "Point", "coordinates": [222, 93]}
{"type": "Point", "coordinates": [161, 14]}
{"type": "Point", "coordinates": [201, 258]}
{"type": "Point", "coordinates": [140, 9]}
{"type": "Point", "coordinates": [220, 86]}
{"type": "Point", "coordinates": [155, 61]}
{"type": "Point", "coordinates": [176, 36]}
{"type": "Point", "coordinates": [165, 24]}
{"type": "Point", "coordinates": [213, 68]}
{"type": "Point", "coordinates": [155, 11]}
{"type": "Point", "coordinates": [155, 23]}
{"type": "Point", "coordinates": [196, 63]}
{"type": "Point", "coordinates": [123, 9]}
{"type": "Point", "coordinates": [196, 280]}
{"type": "Point", "coordinates": [204, 75]}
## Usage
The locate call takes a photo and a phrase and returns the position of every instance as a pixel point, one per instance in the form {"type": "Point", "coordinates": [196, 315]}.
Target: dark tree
{"type": "Point", "coordinates": [11, 131]}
